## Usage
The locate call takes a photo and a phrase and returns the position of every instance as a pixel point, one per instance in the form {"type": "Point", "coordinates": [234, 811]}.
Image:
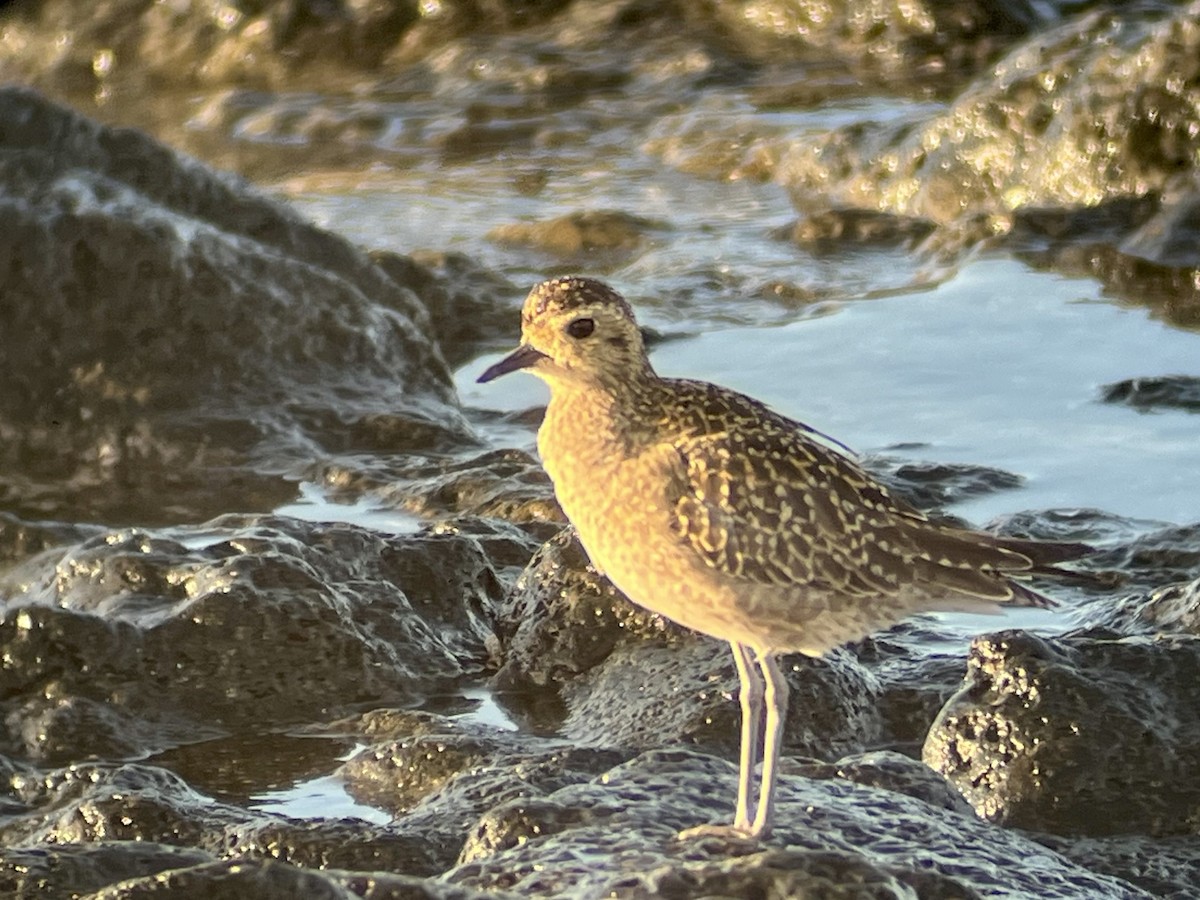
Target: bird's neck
{"type": "Point", "coordinates": [606, 411]}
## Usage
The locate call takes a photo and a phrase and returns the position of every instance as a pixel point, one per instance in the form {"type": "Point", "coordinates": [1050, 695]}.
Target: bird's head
{"type": "Point", "coordinates": [576, 330]}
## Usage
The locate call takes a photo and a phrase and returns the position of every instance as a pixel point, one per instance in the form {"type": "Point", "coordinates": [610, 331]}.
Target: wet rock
{"type": "Point", "coordinates": [70, 870]}
{"type": "Point", "coordinates": [1080, 735]}
{"type": "Point", "coordinates": [183, 338]}
{"type": "Point", "coordinates": [919, 43]}
{"type": "Point", "coordinates": [471, 308]}
{"type": "Point", "coordinates": [260, 45]}
{"type": "Point", "coordinates": [562, 618]}
{"type": "Point", "coordinates": [442, 776]}
{"type": "Point", "coordinates": [647, 694]}
{"type": "Point", "coordinates": [892, 771]}
{"type": "Point", "coordinates": [121, 50]}
{"type": "Point", "coordinates": [606, 672]}
{"type": "Point", "coordinates": [1160, 392]}
{"type": "Point", "coordinates": [20, 539]}
{"type": "Point", "coordinates": [588, 237]}
{"type": "Point", "coordinates": [397, 775]}
{"type": "Point", "coordinates": [1100, 107]}
{"type": "Point", "coordinates": [1171, 609]}
{"type": "Point", "coordinates": [1074, 525]}
{"type": "Point", "coordinates": [931, 485]}
{"type": "Point", "coordinates": [860, 226]}
{"type": "Point", "coordinates": [833, 834]}
{"type": "Point", "coordinates": [274, 880]}
{"type": "Point", "coordinates": [255, 71]}
{"type": "Point", "coordinates": [1154, 556]}
{"type": "Point", "coordinates": [104, 803]}
{"type": "Point", "coordinates": [255, 880]}
{"type": "Point", "coordinates": [914, 682]}
{"type": "Point", "coordinates": [504, 484]}
{"type": "Point", "coordinates": [136, 640]}
{"type": "Point", "coordinates": [580, 659]}
{"type": "Point", "coordinates": [1165, 867]}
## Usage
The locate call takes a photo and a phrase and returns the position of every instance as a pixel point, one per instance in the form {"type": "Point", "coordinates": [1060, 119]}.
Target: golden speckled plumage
{"type": "Point", "coordinates": [704, 505]}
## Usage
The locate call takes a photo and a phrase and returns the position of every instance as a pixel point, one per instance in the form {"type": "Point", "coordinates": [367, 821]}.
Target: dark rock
{"type": "Point", "coordinates": [503, 484]}
{"type": "Point", "coordinates": [1155, 555]}
{"type": "Point", "coordinates": [185, 339]}
{"type": "Point", "coordinates": [1166, 867]}
{"type": "Point", "coordinates": [268, 879]}
{"type": "Point", "coordinates": [263, 879]}
{"type": "Point", "coordinates": [138, 803]}
{"type": "Point", "coordinates": [471, 308]}
{"type": "Point", "coordinates": [397, 775]}
{"type": "Point", "coordinates": [1100, 107]}
{"type": "Point", "coordinates": [262, 45]}
{"type": "Point", "coordinates": [1077, 736]}
{"type": "Point", "coordinates": [260, 71]}
{"type": "Point", "coordinates": [581, 659]}
{"type": "Point", "coordinates": [1158, 392]}
{"type": "Point", "coordinates": [860, 226]}
{"type": "Point", "coordinates": [20, 539]}
{"type": "Point", "coordinates": [646, 694]}
{"type": "Point", "coordinates": [69, 870]}
{"type": "Point", "coordinates": [914, 680]}
{"type": "Point", "coordinates": [1172, 609]}
{"type": "Point", "coordinates": [890, 771]}
{"type": "Point", "coordinates": [1071, 525]}
{"type": "Point", "coordinates": [442, 777]}
{"type": "Point", "coordinates": [932, 485]}
{"type": "Point", "coordinates": [562, 618]}
{"type": "Point", "coordinates": [803, 873]}
{"type": "Point", "coordinates": [132, 640]}
{"type": "Point", "coordinates": [834, 834]}
{"type": "Point", "coordinates": [587, 237]}
{"type": "Point", "coordinates": [922, 44]}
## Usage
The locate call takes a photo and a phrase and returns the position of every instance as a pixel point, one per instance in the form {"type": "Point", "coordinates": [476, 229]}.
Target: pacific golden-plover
{"type": "Point", "coordinates": [704, 505]}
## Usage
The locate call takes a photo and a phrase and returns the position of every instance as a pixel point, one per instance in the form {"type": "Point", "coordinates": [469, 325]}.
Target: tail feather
{"type": "Point", "coordinates": [1043, 554]}
{"type": "Point", "coordinates": [996, 569]}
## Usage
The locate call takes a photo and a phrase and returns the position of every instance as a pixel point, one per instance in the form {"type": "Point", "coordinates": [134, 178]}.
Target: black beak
{"type": "Point", "coordinates": [521, 358]}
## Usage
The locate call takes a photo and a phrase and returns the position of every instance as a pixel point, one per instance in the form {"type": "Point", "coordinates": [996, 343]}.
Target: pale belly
{"type": "Point", "coordinates": [625, 525]}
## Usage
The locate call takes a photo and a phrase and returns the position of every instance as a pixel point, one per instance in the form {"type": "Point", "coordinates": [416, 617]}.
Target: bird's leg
{"type": "Point", "coordinates": [776, 699]}
{"type": "Point", "coordinates": [750, 694]}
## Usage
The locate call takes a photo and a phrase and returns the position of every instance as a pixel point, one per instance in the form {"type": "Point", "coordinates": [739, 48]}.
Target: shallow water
{"type": "Point", "coordinates": [314, 505]}
{"type": "Point", "coordinates": [319, 798]}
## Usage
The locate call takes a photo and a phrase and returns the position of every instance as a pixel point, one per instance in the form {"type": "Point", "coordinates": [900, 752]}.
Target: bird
{"type": "Point", "coordinates": [708, 507]}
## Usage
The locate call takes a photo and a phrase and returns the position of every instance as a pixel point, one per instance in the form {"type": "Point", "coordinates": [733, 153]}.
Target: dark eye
{"type": "Point", "coordinates": [581, 328]}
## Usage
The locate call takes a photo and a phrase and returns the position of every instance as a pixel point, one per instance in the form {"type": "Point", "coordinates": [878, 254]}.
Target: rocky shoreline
{"type": "Point", "coordinates": [178, 350]}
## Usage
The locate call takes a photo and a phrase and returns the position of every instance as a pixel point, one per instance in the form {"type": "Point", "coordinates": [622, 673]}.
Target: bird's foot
{"type": "Point", "coordinates": [733, 835]}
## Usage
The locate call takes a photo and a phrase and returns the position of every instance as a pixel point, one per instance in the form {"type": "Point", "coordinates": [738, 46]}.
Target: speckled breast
{"type": "Point", "coordinates": [617, 500]}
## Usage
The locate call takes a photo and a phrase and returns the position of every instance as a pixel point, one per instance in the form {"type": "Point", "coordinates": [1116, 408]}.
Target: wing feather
{"type": "Point", "coordinates": [756, 497]}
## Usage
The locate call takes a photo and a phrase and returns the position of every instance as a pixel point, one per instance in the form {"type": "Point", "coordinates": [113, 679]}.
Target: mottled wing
{"type": "Point", "coordinates": [771, 505]}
